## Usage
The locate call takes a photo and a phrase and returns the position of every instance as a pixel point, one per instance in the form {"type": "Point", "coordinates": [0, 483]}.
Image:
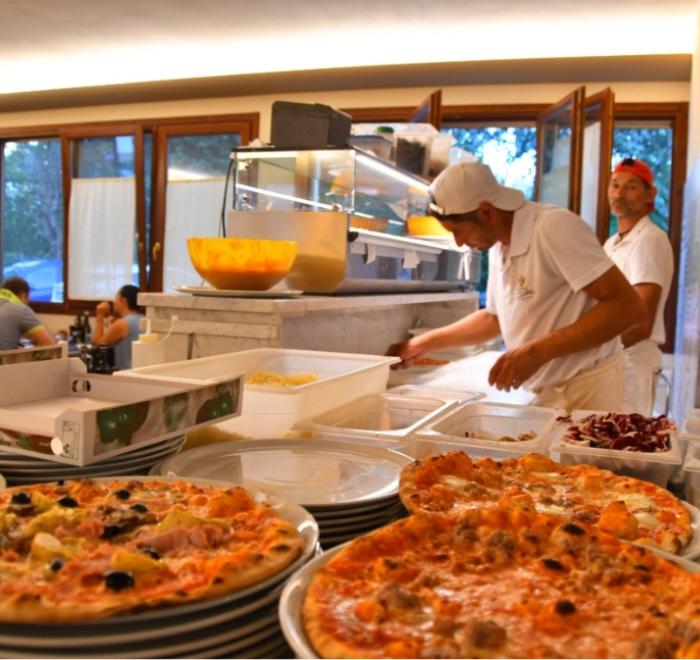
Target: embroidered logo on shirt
{"type": "Point", "coordinates": [522, 290]}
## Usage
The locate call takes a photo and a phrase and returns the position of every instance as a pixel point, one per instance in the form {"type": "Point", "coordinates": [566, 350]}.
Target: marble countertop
{"type": "Point", "coordinates": [299, 305]}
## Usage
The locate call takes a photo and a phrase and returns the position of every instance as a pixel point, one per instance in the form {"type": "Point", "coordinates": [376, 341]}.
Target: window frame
{"type": "Point", "coordinates": [248, 122]}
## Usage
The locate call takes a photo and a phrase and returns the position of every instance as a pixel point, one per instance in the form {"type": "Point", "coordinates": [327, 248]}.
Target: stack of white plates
{"type": "Point", "coordinates": [244, 624]}
{"type": "Point", "coordinates": [349, 488]}
{"type": "Point", "coordinates": [19, 469]}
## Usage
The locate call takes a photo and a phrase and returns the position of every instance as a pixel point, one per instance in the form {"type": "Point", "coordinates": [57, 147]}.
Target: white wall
{"type": "Point", "coordinates": [625, 92]}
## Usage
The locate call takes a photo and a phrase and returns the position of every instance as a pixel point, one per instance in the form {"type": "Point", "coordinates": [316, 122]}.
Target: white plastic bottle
{"type": "Point", "coordinates": [148, 349]}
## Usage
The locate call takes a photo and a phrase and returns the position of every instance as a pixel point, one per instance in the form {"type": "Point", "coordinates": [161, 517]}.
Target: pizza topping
{"type": "Point", "coordinates": [118, 580]}
{"type": "Point", "coordinates": [122, 494]}
{"type": "Point", "coordinates": [110, 531]}
{"type": "Point", "coordinates": [56, 565]}
{"type": "Point", "coordinates": [21, 498]}
{"type": "Point", "coordinates": [553, 564]}
{"type": "Point", "coordinates": [140, 508]}
{"type": "Point", "coordinates": [574, 530]}
{"type": "Point", "coordinates": [622, 431]}
{"type": "Point", "coordinates": [134, 562]}
{"type": "Point", "coordinates": [564, 607]}
{"type": "Point", "coordinates": [68, 502]}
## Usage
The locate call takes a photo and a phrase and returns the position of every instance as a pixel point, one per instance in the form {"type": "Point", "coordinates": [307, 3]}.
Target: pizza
{"type": "Point", "coordinates": [629, 508]}
{"type": "Point", "coordinates": [85, 549]}
{"type": "Point", "coordinates": [500, 583]}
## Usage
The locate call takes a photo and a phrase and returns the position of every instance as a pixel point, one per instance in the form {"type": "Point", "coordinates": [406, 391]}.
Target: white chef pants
{"type": "Point", "coordinates": [642, 367]}
{"type": "Point", "coordinates": [597, 388]}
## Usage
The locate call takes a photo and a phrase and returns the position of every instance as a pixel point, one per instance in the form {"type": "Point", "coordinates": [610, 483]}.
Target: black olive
{"type": "Point", "coordinates": [21, 498]}
{"type": "Point", "coordinates": [111, 531]}
{"type": "Point", "coordinates": [122, 494]}
{"type": "Point", "coordinates": [151, 553]}
{"type": "Point", "coordinates": [60, 482]}
{"type": "Point", "coordinates": [118, 580]}
{"type": "Point", "coordinates": [68, 502]}
{"type": "Point", "coordinates": [553, 564]}
{"type": "Point", "coordinates": [574, 530]}
{"type": "Point", "coordinates": [564, 607]}
{"type": "Point", "coordinates": [141, 508]}
{"type": "Point", "coordinates": [56, 564]}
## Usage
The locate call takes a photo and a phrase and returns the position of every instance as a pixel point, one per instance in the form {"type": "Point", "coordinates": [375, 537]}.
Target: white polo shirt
{"type": "Point", "coordinates": [535, 285]}
{"type": "Point", "coordinates": [645, 255]}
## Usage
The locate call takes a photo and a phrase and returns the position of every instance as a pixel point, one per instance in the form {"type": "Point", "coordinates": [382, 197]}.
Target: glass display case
{"type": "Point", "coordinates": [361, 223]}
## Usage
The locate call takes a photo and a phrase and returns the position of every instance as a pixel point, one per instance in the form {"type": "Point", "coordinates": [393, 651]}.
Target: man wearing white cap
{"type": "Point", "coordinates": [553, 294]}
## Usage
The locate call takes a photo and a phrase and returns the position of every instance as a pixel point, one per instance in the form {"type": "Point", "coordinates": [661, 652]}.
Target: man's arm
{"type": "Point", "coordinates": [651, 295]}
{"type": "Point", "coordinates": [40, 336]}
{"type": "Point", "coordinates": [478, 327]}
{"type": "Point", "coordinates": [617, 309]}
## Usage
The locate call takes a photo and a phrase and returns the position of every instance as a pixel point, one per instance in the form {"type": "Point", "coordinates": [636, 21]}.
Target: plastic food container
{"type": "Point", "coordinates": [656, 467]}
{"type": "Point", "coordinates": [476, 428]}
{"type": "Point", "coordinates": [691, 474]}
{"type": "Point", "coordinates": [268, 411]}
{"type": "Point", "coordinates": [692, 422]}
{"type": "Point", "coordinates": [687, 440]}
{"type": "Point", "coordinates": [386, 417]}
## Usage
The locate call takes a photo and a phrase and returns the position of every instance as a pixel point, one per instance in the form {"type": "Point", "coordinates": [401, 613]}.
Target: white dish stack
{"type": "Point", "coordinates": [350, 489]}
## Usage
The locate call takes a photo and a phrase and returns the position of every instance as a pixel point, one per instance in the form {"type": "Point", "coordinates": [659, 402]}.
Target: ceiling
{"type": "Point", "coordinates": [69, 44]}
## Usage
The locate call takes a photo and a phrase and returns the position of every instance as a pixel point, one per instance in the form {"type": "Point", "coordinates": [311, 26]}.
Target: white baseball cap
{"type": "Point", "coordinates": [463, 186]}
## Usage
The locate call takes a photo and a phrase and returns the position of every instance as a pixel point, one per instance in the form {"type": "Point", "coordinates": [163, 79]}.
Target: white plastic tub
{"type": "Point", "coordinates": [387, 418]}
{"type": "Point", "coordinates": [656, 467]}
{"type": "Point", "coordinates": [691, 475]}
{"type": "Point", "coordinates": [476, 428]}
{"type": "Point", "coordinates": [268, 411]}
{"type": "Point", "coordinates": [692, 422]}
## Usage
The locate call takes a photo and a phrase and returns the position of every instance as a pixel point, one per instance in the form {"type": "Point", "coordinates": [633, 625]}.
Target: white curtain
{"type": "Point", "coordinates": [192, 208]}
{"type": "Point", "coordinates": [101, 226]}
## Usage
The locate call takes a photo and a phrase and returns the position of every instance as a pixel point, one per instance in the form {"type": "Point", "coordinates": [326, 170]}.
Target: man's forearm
{"type": "Point", "coordinates": [473, 329]}
{"type": "Point", "coordinates": [600, 324]}
{"type": "Point", "coordinates": [99, 330]}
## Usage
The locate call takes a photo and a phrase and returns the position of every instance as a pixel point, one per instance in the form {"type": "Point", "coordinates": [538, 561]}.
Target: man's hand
{"type": "Point", "coordinates": [407, 350]}
{"type": "Point", "coordinates": [515, 367]}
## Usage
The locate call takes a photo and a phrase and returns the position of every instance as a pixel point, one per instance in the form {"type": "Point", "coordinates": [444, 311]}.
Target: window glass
{"type": "Point", "coordinates": [102, 217]}
{"type": "Point", "coordinates": [32, 216]}
{"type": "Point", "coordinates": [652, 143]}
{"type": "Point", "coordinates": [197, 167]}
{"type": "Point", "coordinates": [510, 152]}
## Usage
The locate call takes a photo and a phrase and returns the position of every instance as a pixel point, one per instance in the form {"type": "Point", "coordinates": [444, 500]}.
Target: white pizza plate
{"type": "Point", "coordinates": [350, 519]}
{"type": "Point", "coordinates": [692, 550]}
{"type": "Point", "coordinates": [239, 293]}
{"type": "Point", "coordinates": [275, 648]}
{"type": "Point", "coordinates": [294, 593]}
{"type": "Point", "coordinates": [251, 611]}
{"type": "Point", "coordinates": [201, 610]}
{"type": "Point", "coordinates": [74, 472]}
{"type": "Point", "coordinates": [318, 474]}
{"type": "Point", "coordinates": [189, 647]}
{"type": "Point", "coordinates": [356, 528]}
{"type": "Point", "coordinates": [47, 470]}
{"type": "Point", "coordinates": [20, 460]}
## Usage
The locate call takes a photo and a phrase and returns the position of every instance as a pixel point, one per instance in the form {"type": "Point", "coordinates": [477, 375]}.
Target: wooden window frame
{"type": "Point", "coordinates": [72, 131]}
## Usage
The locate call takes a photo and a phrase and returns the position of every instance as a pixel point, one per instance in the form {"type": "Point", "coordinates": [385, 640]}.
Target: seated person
{"type": "Point", "coordinates": [123, 327]}
{"type": "Point", "coordinates": [18, 319]}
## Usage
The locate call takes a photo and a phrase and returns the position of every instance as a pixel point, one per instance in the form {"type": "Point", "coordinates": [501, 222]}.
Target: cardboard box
{"type": "Point", "coordinates": [55, 410]}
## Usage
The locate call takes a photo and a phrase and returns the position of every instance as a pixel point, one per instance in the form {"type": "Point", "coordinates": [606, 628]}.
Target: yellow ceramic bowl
{"type": "Point", "coordinates": [242, 263]}
{"type": "Point", "coordinates": [425, 225]}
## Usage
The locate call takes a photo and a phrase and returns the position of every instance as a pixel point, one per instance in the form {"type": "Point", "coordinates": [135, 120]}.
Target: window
{"type": "Point", "coordinates": [31, 217]}
{"type": "Point", "coordinates": [103, 187]}
{"type": "Point", "coordinates": [651, 142]}
{"type": "Point", "coordinates": [103, 228]}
